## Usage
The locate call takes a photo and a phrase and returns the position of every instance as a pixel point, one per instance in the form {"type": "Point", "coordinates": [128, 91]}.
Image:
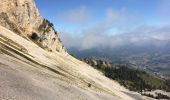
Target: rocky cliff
{"type": "Point", "coordinates": [23, 18]}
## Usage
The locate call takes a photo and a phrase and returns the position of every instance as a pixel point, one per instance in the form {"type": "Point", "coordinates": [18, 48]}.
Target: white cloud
{"type": "Point", "coordinates": [112, 15]}
{"type": "Point", "coordinates": [97, 37]}
{"type": "Point", "coordinates": [123, 18]}
{"type": "Point", "coordinates": [139, 37]}
{"type": "Point", "coordinates": [78, 15]}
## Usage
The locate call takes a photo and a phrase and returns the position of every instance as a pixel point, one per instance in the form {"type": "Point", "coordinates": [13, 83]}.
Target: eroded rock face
{"type": "Point", "coordinates": [23, 18]}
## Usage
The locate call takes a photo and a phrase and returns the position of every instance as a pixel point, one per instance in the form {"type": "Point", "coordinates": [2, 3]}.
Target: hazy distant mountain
{"type": "Point", "coordinates": [150, 52]}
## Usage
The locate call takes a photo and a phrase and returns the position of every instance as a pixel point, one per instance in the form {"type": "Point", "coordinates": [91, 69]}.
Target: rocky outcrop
{"type": "Point", "coordinates": [97, 62]}
{"type": "Point", "coordinates": [22, 17]}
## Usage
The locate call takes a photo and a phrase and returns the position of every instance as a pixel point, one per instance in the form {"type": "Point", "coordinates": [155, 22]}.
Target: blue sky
{"type": "Point", "coordinates": [76, 18]}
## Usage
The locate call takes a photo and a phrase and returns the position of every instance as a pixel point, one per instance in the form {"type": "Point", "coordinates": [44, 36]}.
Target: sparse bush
{"type": "Point", "coordinates": [89, 85]}
{"type": "Point", "coordinates": [133, 79]}
{"type": "Point", "coordinates": [148, 95]}
{"type": "Point", "coordinates": [162, 96]}
{"type": "Point", "coordinates": [158, 96]}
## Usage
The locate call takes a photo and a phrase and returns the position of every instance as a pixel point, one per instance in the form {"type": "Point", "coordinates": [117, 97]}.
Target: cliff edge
{"type": "Point", "coordinates": [23, 18]}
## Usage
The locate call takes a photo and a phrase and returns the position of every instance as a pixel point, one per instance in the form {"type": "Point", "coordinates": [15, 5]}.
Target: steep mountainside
{"type": "Point", "coordinates": [133, 79]}
{"type": "Point", "coordinates": [35, 66]}
{"type": "Point", "coordinates": [22, 17]}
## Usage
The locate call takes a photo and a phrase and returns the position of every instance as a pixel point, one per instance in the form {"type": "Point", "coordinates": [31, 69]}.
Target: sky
{"type": "Point", "coordinates": [86, 24]}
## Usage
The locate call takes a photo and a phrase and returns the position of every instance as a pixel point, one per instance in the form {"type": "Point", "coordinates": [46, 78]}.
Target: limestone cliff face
{"type": "Point", "coordinates": [23, 18]}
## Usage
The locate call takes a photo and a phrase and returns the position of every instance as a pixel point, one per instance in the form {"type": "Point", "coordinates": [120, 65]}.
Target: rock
{"type": "Point", "coordinates": [23, 18]}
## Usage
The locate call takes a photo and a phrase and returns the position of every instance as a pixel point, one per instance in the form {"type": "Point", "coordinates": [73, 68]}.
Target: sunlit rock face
{"type": "Point", "coordinates": [23, 18]}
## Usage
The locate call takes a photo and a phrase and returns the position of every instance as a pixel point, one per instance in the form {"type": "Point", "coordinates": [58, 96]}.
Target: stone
{"type": "Point", "coordinates": [23, 18]}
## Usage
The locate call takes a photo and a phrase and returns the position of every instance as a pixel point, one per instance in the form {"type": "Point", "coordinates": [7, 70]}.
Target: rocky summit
{"type": "Point", "coordinates": [23, 18]}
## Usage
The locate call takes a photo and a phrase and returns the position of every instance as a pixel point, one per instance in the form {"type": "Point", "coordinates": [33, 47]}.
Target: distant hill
{"type": "Point", "coordinates": [151, 55]}
{"type": "Point", "coordinates": [133, 79]}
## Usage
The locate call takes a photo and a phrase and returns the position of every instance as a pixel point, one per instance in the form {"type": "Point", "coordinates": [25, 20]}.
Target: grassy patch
{"type": "Point", "coordinates": [154, 81]}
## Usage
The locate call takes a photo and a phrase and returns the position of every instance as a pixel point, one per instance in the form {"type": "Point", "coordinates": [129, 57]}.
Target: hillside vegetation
{"type": "Point", "coordinates": [133, 79]}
